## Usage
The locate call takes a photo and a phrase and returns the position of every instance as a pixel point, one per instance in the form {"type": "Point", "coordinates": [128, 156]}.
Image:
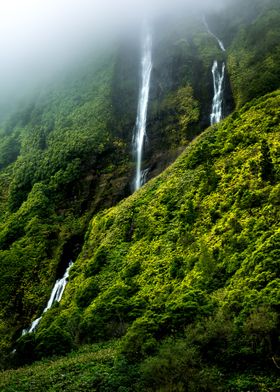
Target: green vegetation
{"type": "Point", "coordinates": [57, 163]}
{"type": "Point", "coordinates": [176, 288]}
{"type": "Point", "coordinates": [65, 156]}
{"type": "Point", "coordinates": [185, 271]}
{"type": "Point", "coordinates": [91, 364]}
{"type": "Point", "coordinates": [254, 56]}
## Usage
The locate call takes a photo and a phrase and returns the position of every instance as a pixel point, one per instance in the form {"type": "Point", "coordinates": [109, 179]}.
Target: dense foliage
{"type": "Point", "coordinates": [58, 160]}
{"type": "Point", "coordinates": [67, 154]}
{"type": "Point", "coordinates": [176, 287]}
{"type": "Point", "coordinates": [254, 57]}
{"type": "Point", "coordinates": [186, 271]}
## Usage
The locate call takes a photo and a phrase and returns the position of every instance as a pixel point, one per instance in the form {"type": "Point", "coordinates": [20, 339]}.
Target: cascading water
{"type": "Point", "coordinates": [218, 82]}
{"type": "Point", "coordinates": [56, 295]}
{"type": "Point", "coordinates": [221, 45]}
{"type": "Point", "coordinates": [141, 120]}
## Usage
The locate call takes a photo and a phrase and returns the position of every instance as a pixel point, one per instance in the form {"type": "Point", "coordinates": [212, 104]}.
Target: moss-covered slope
{"type": "Point", "coordinates": [196, 248]}
{"type": "Point", "coordinates": [193, 255]}
{"type": "Point", "coordinates": [254, 55]}
{"type": "Point", "coordinates": [68, 154]}
{"type": "Point", "coordinates": [61, 161]}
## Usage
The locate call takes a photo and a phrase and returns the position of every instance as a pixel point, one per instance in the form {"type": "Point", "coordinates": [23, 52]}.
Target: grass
{"type": "Point", "coordinates": [79, 371]}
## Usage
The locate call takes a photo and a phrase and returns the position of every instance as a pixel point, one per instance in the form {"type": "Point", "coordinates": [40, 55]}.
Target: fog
{"type": "Point", "coordinates": [39, 38]}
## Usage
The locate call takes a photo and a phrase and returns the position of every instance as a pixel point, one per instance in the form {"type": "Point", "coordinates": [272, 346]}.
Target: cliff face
{"type": "Point", "coordinates": [68, 155]}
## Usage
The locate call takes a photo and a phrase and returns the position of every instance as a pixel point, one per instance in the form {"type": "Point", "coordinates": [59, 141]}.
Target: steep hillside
{"type": "Point", "coordinates": [254, 56]}
{"type": "Point", "coordinates": [59, 159]}
{"type": "Point", "coordinates": [68, 153]}
{"type": "Point", "coordinates": [177, 283]}
{"type": "Point", "coordinates": [185, 273]}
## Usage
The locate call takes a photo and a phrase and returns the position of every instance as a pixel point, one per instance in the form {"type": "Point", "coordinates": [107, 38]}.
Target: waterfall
{"type": "Point", "coordinates": [221, 45]}
{"type": "Point", "coordinates": [218, 82]}
{"type": "Point", "coordinates": [56, 295]}
{"type": "Point", "coordinates": [141, 120]}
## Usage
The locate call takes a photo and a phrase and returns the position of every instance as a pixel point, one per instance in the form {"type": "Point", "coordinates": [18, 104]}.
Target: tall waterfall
{"type": "Point", "coordinates": [217, 103]}
{"type": "Point", "coordinates": [218, 82]}
{"type": "Point", "coordinates": [56, 295]}
{"type": "Point", "coordinates": [141, 120]}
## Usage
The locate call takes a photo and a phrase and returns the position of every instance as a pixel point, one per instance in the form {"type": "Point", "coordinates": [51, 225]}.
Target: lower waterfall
{"type": "Point", "coordinates": [56, 295]}
{"type": "Point", "coordinates": [218, 83]}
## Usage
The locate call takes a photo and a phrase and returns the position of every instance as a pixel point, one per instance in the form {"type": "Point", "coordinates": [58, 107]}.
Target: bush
{"type": "Point", "coordinates": [87, 292]}
{"type": "Point", "coordinates": [178, 367]}
{"type": "Point", "coordinates": [53, 341]}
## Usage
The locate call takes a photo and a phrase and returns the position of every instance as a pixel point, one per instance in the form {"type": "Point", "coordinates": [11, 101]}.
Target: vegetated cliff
{"type": "Point", "coordinates": [184, 273]}
{"type": "Point", "coordinates": [68, 156]}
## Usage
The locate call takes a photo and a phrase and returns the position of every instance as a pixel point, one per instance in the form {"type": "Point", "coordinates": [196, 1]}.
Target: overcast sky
{"type": "Point", "coordinates": [39, 36]}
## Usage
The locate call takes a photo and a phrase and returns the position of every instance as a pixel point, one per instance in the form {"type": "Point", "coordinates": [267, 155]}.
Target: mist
{"type": "Point", "coordinates": [40, 38]}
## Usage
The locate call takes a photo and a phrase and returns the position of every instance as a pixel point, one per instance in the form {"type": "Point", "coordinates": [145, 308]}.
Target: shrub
{"type": "Point", "coordinates": [53, 341]}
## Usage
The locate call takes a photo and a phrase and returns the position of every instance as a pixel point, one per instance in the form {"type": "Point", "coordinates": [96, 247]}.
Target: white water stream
{"type": "Point", "coordinates": [221, 45]}
{"type": "Point", "coordinates": [217, 103]}
{"type": "Point", "coordinates": [56, 295]}
{"type": "Point", "coordinates": [218, 82]}
{"type": "Point", "coordinates": [141, 120]}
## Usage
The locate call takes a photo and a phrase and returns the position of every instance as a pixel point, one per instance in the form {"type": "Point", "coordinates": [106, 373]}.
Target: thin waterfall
{"type": "Point", "coordinates": [221, 45]}
{"type": "Point", "coordinates": [218, 82]}
{"type": "Point", "coordinates": [56, 295]}
{"type": "Point", "coordinates": [141, 120]}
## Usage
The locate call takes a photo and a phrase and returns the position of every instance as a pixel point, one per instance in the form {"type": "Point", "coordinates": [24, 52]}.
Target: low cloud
{"type": "Point", "coordinates": [39, 37]}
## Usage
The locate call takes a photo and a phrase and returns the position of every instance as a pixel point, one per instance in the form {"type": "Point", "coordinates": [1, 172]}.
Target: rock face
{"type": "Point", "coordinates": [180, 61]}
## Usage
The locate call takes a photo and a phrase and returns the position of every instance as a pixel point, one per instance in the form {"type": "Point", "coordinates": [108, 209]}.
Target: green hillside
{"type": "Point", "coordinates": [185, 273]}
{"type": "Point", "coordinates": [174, 287]}
{"type": "Point", "coordinates": [57, 165]}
